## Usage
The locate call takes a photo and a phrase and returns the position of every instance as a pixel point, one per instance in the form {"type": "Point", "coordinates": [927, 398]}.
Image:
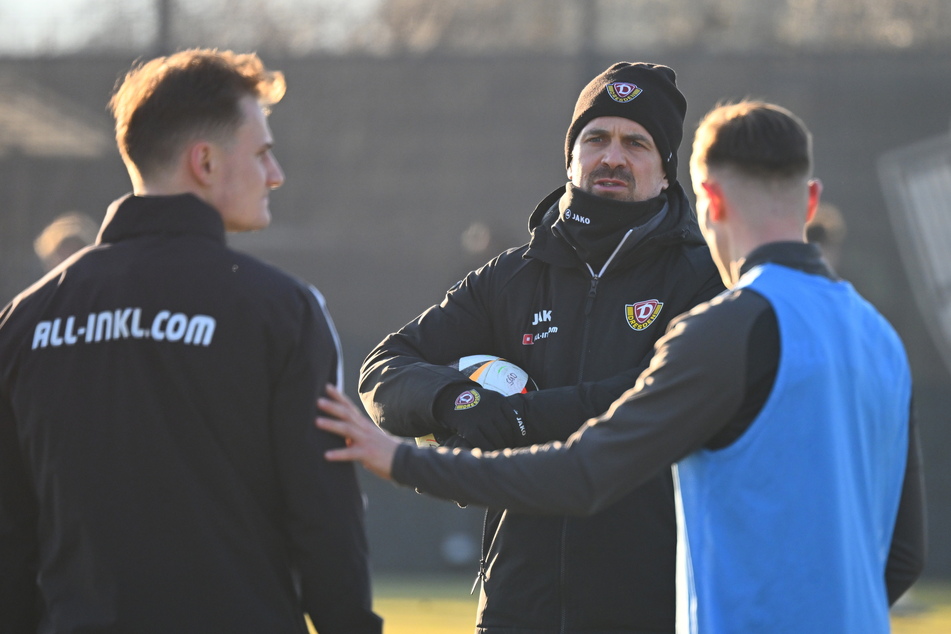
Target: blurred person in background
{"type": "Point", "coordinates": [159, 469]}
{"type": "Point", "coordinates": [63, 237]}
{"type": "Point", "coordinates": [784, 404]}
{"type": "Point", "coordinates": [827, 229]}
{"type": "Point", "coordinates": [613, 255]}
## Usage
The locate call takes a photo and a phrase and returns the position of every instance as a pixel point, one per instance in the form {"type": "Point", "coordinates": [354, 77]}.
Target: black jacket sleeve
{"type": "Point", "coordinates": [322, 501]}
{"type": "Point", "coordinates": [402, 376]}
{"type": "Point", "coordinates": [675, 407]}
{"type": "Point", "coordinates": [906, 557]}
{"type": "Point", "coordinates": [18, 533]}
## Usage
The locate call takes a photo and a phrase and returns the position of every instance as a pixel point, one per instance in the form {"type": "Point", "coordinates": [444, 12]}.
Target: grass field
{"type": "Point", "coordinates": [925, 610]}
{"type": "Point", "coordinates": [426, 604]}
{"type": "Point", "coordinates": [436, 604]}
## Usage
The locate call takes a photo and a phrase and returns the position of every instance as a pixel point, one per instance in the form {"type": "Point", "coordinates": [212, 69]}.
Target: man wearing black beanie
{"type": "Point", "coordinates": [617, 92]}
{"type": "Point", "coordinates": [613, 256]}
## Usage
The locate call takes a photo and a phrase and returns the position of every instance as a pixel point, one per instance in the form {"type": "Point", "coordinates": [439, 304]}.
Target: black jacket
{"type": "Point", "coordinates": [709, 381]}
{"type": "Point", "coordinates": [584, 339]}
{"type": "Point", "coordinates": [160, 467]}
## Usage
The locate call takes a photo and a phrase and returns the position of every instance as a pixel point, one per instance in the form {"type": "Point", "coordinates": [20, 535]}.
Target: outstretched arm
{"type": "Point", "coordinates": [408, 391]}
{"type": "Point", "coordinates": [673, 410]}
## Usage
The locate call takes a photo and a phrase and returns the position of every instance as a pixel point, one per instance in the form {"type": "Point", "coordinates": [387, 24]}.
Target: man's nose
{"type": "Point", "coordinates": [613, 155]}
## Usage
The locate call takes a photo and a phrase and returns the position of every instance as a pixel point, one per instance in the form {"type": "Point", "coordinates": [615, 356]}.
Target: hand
{"type": "Point", "coordinates": [480, 418]}
{"type": "Point", "coordinates": [366, 443]}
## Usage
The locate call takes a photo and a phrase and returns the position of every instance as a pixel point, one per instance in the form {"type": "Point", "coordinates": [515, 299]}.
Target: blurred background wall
{"type": "Point", "coordinates": [418, 135]}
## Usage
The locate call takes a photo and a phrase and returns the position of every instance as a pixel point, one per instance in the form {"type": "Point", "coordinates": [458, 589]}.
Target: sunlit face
{"type": "Point", "coordinates": [616, 158]}
{"type": "Point", "coordinates": [248, 172]}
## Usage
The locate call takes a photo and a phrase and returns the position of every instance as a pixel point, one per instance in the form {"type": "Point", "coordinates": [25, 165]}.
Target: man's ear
{"type": "Point", "coordinates": [815, 192]}
{"type": "Point", "coordinates": [201, 162]}
{"type": "Point", "coordinates": [716, 205]}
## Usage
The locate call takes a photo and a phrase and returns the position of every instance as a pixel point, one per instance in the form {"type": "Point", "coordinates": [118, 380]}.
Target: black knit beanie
{"type": "Point", "coordinates": [644, 93]}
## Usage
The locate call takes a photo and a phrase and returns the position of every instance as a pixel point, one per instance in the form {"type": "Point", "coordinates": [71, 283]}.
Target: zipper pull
{"type": "Point", "coordinates": [592, 292]}
{"type": "Point", "coordinates": [480, 576]}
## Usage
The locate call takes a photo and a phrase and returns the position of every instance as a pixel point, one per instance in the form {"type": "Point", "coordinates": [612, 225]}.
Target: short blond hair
{"type": "Point", "coordinates": [161, 105]}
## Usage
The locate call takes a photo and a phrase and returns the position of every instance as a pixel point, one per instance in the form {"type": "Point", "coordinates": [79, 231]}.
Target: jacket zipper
{"type": "Point", "coordinates": [589, 304]}
{"type": "Point", "coordinates": [480, 576]}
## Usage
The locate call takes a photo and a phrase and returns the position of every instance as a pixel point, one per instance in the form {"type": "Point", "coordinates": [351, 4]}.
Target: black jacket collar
{"type": "Point", "coordinates": [801, 256]}
{"type": "Point", "coordinates": [679, 226]}
{"type": "Point", "coordinates": [132, 216]}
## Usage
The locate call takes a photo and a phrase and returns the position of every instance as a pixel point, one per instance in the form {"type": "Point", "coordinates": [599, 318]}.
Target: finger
{"type": "Point", "coordinates": [339, 396]}
{"type": "Point", "coordinates": [335, 396]}
{"type": "Point", "coordinates": [333, 408]}
{"type": "Point", "coordinates": [354, 420]}
{"type": "Point", "coordinates": [342, 455]}
{"type": "Point", "coordinates": [337, 427]}
{"type": "Point", "coordinates": [340, 406]}
{"type": "Point", "coordinates": [340, 410]}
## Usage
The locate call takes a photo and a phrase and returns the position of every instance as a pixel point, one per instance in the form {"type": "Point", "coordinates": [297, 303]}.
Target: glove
{"type": "Point", "coordinates": [456, 442]}
{"type": "Point", "coordinates": [483, 418]}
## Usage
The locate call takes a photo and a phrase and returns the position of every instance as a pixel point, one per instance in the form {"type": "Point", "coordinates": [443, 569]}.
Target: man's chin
{"type": "Point", "coordinates": [262, 221]}
{"type": "Point", "coordinates": [624, 195]}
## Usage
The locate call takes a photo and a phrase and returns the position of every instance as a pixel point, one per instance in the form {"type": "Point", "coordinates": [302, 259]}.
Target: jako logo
{"type": "Point", "coordinates": [570, 215]}
{"type": "Point", "coordinates": [124, 323]}
{"type": "Point", "coordinates": [541, 316]}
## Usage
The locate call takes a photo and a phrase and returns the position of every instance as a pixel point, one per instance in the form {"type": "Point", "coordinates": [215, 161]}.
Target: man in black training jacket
{"type": "Point", "coordinates": [613, 256]}
{"type": "Point", "coordinates": [159, 469]}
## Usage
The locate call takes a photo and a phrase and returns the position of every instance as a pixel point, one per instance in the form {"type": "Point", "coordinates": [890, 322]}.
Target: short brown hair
{"type": "Point", "coordinates": [162, 104]}
{"type": "Point", "coordinates": [758, 139]}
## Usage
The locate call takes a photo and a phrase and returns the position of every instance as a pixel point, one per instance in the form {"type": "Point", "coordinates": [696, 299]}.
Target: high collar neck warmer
{"type": "Point", "coordinates": [594, 226]}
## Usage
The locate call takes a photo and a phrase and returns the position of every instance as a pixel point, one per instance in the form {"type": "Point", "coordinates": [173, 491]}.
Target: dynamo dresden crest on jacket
{"type": "Point", "coordinates": [622, 91]}
{"type": "Point", "coordinates": [642, 314]}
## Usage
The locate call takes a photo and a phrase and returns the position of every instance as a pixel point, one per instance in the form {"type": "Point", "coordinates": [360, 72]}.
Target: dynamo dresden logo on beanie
{"type": "Point", "coordinates": [622, 91]}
